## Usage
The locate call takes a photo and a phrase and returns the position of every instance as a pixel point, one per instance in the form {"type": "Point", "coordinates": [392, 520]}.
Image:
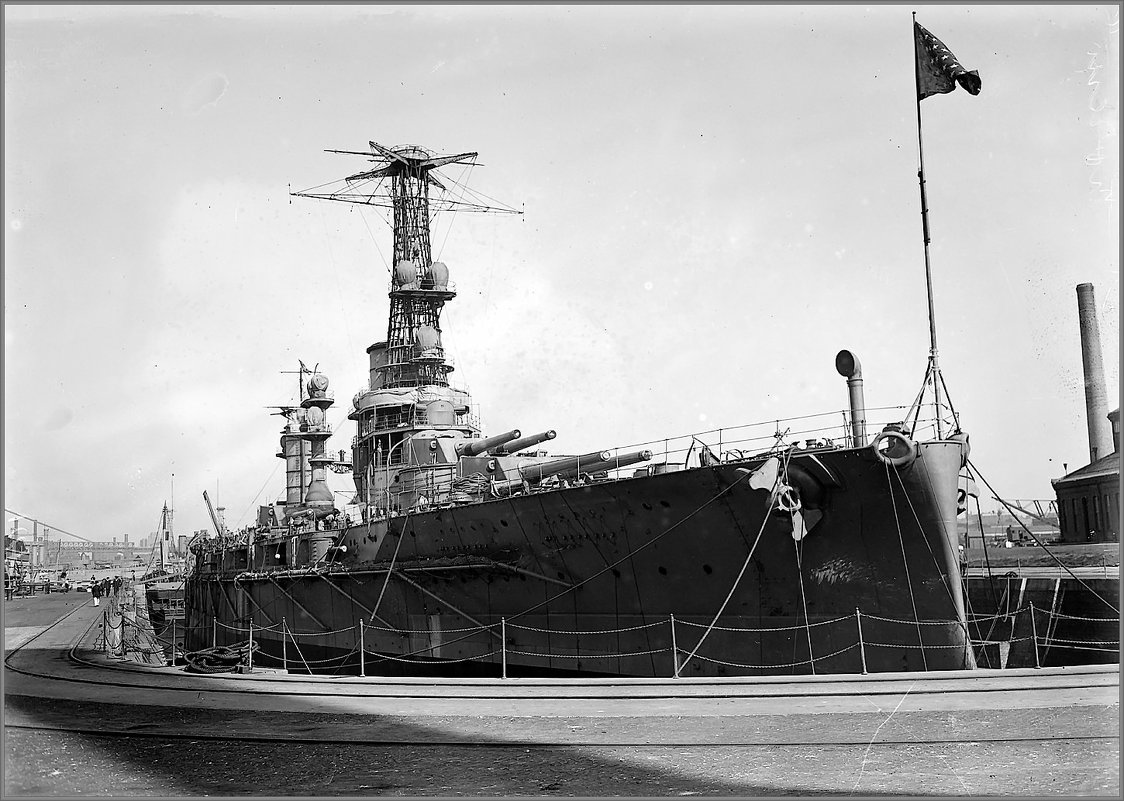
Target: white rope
{"type": "Point", "coordinates": [905, 563]}
{"type": "Point", "coordinates": [730, 594]}
{"type": "Point", "coordinates": [770, 628]}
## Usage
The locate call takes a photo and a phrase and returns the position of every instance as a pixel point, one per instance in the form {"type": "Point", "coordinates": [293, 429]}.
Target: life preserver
{"type": "Point", "coordinates": [901, 460]}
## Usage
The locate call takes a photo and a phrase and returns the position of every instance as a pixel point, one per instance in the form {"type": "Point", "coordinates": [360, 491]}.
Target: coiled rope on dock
{"type": "Point", "coordinates": [220, 658]}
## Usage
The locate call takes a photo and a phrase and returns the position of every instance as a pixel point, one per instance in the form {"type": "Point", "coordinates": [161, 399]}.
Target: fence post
{"type": "Point", "coordinates": [214, 632]}
{"type": "Point", "coordinates": [1034, 632]}
{"type": "Point", "coordinates": [674, 649]}
{"type": "Point", "coordinates": [173, 640]}
{"type": "Point", "coordinates": [862, 647]}
{"type": "Point", "coordinates": [284, 645]}
{"type": "Point", "coordinates": [250, 667]}
{"type": "Point", "coordinates": [104, 632]}
{"type": "Point", "coordinates": [503, 647]}
{"type": "Point", "coordinates": [362, 651]}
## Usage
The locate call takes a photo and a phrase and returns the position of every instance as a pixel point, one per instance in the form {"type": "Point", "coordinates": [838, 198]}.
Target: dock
{"type": "Point", "coordinates": [1020, 731]}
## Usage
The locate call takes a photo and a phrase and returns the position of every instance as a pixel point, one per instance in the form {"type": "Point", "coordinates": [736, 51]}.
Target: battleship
{"type": "Point", "coordinates": [783, 548]}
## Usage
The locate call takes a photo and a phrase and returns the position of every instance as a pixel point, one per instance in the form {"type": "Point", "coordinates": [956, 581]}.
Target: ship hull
{"type": "Point", "coordinates": [691, 573]}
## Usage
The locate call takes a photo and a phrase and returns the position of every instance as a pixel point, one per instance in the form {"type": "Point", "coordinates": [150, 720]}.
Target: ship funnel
{"type": "Point", "coordinates": [847, 365]}
{"type": "Point", "coordinates": [522, 444]}
{"type": "Point", "coordinates": [1096, 404]}
{"type": "Point", "coordinates": [478, 446]}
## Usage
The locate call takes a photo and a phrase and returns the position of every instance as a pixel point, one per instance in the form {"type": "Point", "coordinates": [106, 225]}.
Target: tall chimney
{"type": "Point", "coordinates": [1096, 405]}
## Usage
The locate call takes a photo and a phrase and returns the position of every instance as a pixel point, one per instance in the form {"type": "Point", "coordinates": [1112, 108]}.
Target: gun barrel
{"type": "Point", "coordinates": [478, 446]}
{"type": "Point", "coordinates": [537, 472]}
{"type": "Point", "coordinates": [522, 444]}
{"type": "Point", "coordinates": [621, 460]}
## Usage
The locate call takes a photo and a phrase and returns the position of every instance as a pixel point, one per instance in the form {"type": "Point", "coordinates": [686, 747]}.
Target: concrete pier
{"type": "Point", "coordinates": [1034, 732]}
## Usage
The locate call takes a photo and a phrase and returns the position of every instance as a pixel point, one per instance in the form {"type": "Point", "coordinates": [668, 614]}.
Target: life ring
{"type": "Point", "coordinates": [902, 460]}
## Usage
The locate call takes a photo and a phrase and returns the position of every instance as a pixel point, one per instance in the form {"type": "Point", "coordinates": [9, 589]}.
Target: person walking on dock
{"type": "Point", "coordinates": [95, 590]}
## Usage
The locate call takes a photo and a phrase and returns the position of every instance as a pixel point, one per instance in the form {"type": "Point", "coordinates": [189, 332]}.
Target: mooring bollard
{"type": "Point", "coordinates": [862, 647]}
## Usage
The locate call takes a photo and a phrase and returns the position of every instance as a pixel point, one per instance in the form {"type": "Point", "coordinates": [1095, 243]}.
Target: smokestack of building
{"type": "Point", "coordinates": [1096, 404]}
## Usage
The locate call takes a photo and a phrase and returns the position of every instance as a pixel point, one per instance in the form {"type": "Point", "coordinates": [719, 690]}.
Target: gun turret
{"type": "Point", "coordinates": [522, 444]}
{"type": "Point", "coordinates": [478, 446]}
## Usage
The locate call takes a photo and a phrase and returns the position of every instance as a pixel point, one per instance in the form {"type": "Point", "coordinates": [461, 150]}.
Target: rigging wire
{"type": "Point", "coordinates": [742, 477]}
{"type": "Point", "coordinates": [47, 525]}
{"type": "Point", "coordinates": [1049, 553]}
{"type": "Point", "coordinates": [463, 187]}
{"type": "Point", "coordinates": [336, 279]}
{"type": "Point", "coordinates": [730, 594]}
{"type": "Point", "coordinates": [390, 569]}
{"type": "Point", "coordinates": [905, 563]}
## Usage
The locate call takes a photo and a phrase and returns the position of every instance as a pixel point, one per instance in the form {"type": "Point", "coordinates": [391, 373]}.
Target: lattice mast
{"type": "Point", "coordinates": [419, 286]}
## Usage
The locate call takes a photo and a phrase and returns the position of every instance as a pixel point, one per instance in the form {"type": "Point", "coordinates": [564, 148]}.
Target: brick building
{"type": "Point", "coordinates": [1089, 497]}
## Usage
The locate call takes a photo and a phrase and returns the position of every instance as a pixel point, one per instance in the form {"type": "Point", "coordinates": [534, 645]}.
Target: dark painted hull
{"type": "Point", "coordinates": [166, 614]}
{"type": "Point", "coordinates": [688, 571]}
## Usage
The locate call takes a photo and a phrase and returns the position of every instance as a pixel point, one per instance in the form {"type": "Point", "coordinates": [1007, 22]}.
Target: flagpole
{"type": "Point", "coordinates": [934, 371]}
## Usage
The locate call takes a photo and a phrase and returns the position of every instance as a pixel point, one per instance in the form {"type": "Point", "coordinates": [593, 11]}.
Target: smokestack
{"type": "Point", "coordinates": [847, 365]}
{"type": "Point", "coordinates": [1096, 405]}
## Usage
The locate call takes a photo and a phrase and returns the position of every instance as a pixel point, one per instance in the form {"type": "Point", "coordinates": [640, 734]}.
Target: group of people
{"type": "Point", "coordinates": [104, 587]}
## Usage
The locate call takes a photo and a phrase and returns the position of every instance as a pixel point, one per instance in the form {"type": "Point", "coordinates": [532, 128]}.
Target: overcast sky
{"type": "Point", "coordinates": [716, 200]}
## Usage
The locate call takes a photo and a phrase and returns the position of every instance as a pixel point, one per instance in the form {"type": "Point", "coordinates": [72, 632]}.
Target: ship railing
{"type": "Point", "coordinates": [416, 419]}
{"type": "Point", "coordinates": [822, 431]}
{"type": "Point", "coordinates": [845, 642]}
{"type": "Point", "coordinates": [815, 433]}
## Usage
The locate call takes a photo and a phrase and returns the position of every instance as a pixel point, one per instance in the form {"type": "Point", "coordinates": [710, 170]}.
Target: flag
{"type": "Point", "coordinates": [938, 71]}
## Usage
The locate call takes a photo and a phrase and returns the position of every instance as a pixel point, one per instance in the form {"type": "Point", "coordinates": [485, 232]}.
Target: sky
{"type": "Point", "coordinates": [715, 200]}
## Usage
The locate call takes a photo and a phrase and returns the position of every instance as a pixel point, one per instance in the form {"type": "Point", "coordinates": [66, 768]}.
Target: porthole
{"type": "Point", "coordinates": [665, 504]}
{"type": "Point", "coordinates": [663, 570]}
{"type": "Point", "coordinates": [708, 569]}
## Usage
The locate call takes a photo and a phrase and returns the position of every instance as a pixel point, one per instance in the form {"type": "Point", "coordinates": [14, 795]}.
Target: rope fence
{"type": "Point", "coordinates": [1041, 623]}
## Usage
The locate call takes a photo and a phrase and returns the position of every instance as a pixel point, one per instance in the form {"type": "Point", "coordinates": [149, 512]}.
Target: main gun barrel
{"type": "Point", "coordinates": [478, 446]}
{"type": "Point", "coordinates": [589, 463]}
{"type": "Point", "coordinates": [537, 472]}
{"type": "Point", "coordinates": [522, 444]}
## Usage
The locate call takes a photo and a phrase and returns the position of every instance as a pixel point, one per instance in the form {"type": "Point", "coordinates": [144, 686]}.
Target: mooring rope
{"type": "Point", "coordinates": [1039, 542]}
{"type": "Point", "coordinates": [905, 563]}
{"type": "Point", "coordinates": [730, 594]}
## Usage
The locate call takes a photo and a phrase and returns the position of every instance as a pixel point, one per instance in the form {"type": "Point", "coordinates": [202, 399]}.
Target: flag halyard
{"type": "Point", "coordinates": [938, 71]}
